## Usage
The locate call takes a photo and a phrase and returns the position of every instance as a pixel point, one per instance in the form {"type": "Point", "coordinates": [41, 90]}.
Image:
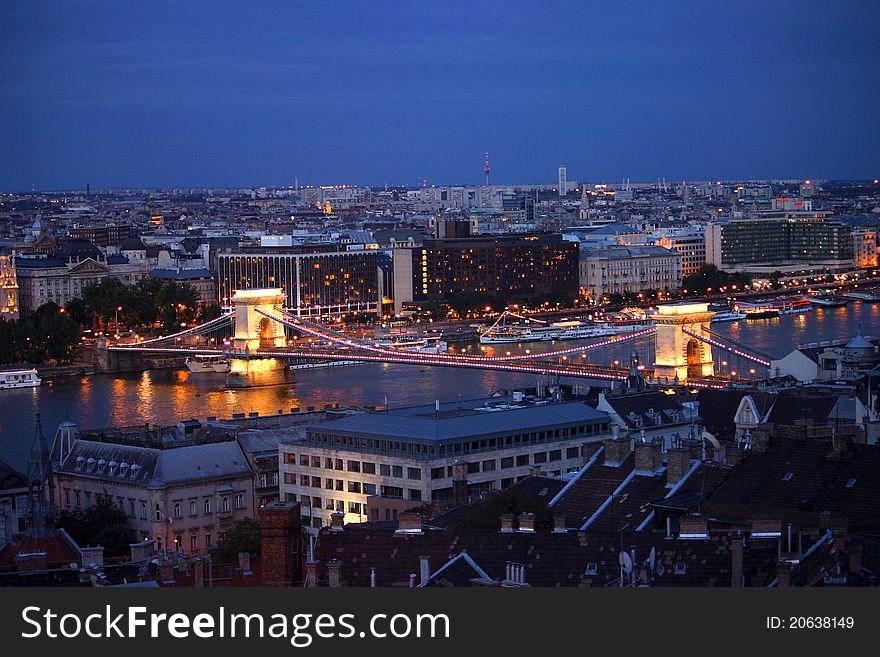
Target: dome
{"type": "Point", "coordinates": [859, 342]}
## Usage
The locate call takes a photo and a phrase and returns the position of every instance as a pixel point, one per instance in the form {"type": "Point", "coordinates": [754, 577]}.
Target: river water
{"type": "Point", "coordinates": [167, 396]}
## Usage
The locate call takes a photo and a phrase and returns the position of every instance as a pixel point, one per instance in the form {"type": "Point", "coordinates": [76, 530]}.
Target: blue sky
{"type": "Point", "coordinates": [252, 93]}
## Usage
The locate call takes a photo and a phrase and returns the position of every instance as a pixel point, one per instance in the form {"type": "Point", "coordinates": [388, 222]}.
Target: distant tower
{"type": "Point", "coordinates": [487, 169]}
{"type": "Point", "coordinates": [41, 488]}
{"type": "Point", "coordinates": [563, 183]}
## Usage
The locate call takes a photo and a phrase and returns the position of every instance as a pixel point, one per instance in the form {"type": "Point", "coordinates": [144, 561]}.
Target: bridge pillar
{"type": "Point", "coordinates": [678, 354]}
{"type": "Point", "coordinates": [253, 330]}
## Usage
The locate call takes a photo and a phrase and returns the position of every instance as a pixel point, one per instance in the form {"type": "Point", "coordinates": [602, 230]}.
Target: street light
{"type": "Point", "coordinates": [116, 324]}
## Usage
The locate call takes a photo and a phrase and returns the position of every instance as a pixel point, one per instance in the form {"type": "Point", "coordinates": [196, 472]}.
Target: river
{"type": "Point", "coordinates": [167, 396]}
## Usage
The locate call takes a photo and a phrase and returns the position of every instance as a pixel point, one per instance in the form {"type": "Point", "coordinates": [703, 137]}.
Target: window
{"type": "Point", "coordinates": [143, 510]}
{"type": "Point", "coordinates": [304, 459]}
{"type": "Point", "coordinates": [209, 540]}
{"type": "Point", "coordinates": [414, 473]}
{"type": "Point", "coordinates": [193, 542]}
{"type": "Point", "coordinates": [328, 484]}
{"type": "Point", "coordinates": [274, 478]}
{"type": "Point", "coordinates": [392, 491]}
{"type": "Point", "coordinates": [368, 468]}
{"type": "Point", "coordinates": [354, 466]}
{"type": "Point", "coordinates": [592, 569]}
{"type": "Point", "coordinates": [328, 463]}
{"type": "Point", "coordinates": [177, 509]}
{"type": "Point", "coordinates": [507, 462]}
{"type": "Point", "coordinates": [397, 471]}
{"type": "Point", "coordinates": [680, 568]}
{"type": "Point", "coordinates": [384, 470]}
{"type": "Point", "coordinates": [289, 478]}
{"type": "Point", "coordinates": [572, 453]}
{"type": "Point", "coordinates": [304, 480]}
{"type": "Point", "coordinates": [316, 502]}
{"type": "Point", "coordinates": [316, 482]}
{"type": "Point", "coordinates": [225, 504]}
{"type": "Point", "coordinates": [264, 480]}
{"type": "Point", "coordinates": [489, 466]}
{"type": "Point", "coordinates": [192, 507]}
{"type": "Point", "coordinates": [239, 500]}
{"type": "Point", "coordinates": [415, 494]}
{"type": "Point", "coordinates": [369, 489]}
{"type": "Point", "coordinates": [67, 497]}
{"type": "Point", "coordinates": [316, 461]}
{"type": "Point", "coordinates": [354, 507]}
{"type": "Point", "coordinates": [438, 473]}
{"type": "Point", "coordinates": [131, 508]}
{"type": "Point", "coordinates": [158, 513]}
{"type": "Point", "coordinates": [556, 455]}
{"type": "Point", "coordinates": [207, 505]}
{"type": "Point", "coordinates": [522, 459]}
{"type": "Point", "coordinates": [290, 458]}
{"type": "Point", "coordinates": [354, 487]}
{"type": "Point", "coordinates": [340, 485]}
{"type": "Point", "coordinates": [540, 457]}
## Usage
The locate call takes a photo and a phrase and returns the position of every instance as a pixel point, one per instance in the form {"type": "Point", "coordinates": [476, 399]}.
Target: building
{"type": "Point", "coordinates": [74, 266]}
{"type": "Point", "coordinates": [864, 247]}
{"type": "Point", "coordinates": [103, 236]}
{"type": "Point", "coordinates": [628, 270]}
{"type": "Point", "coordinates": [201, 280]}
{"type": "Point", "coordinates": [562, 181]}
{"type": "Point", "coordinates": [831, 360]}
{"type": "Point", "coordinates": [513, 267]}
{"type": "Point", "coordinates": [182, 497]}
{"type": "Point", "coordinates": [690, 243]}
{"type": "Point", "coordinates": [801, 242]}
{"type": "Point", "coordinates": [652, 417]}
{"type": "Point", "coordinates": [315, 281]}
{"type": "Point", "coordinates": [8, 288]}
{"type": "Point", "coordinates": [433, 454]}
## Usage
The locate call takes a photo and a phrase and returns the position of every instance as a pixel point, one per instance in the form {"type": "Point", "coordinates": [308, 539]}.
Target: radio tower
{"type": "Point", "coordinates": [487, 169]}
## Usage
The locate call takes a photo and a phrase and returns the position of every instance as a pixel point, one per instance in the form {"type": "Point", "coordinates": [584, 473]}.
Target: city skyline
{"type": "Point", "coordinates": [202, 96]}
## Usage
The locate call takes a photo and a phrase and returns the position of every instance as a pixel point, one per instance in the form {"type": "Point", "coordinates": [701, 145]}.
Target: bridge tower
{"type": "Point", "coordinates": [253, 330]}
{"type": "Point", "coordinates": [677, 353]}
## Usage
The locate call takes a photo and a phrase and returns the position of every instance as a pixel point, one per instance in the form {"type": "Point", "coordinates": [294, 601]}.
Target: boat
{"type": "Point", "coordinates": [420, 344]}
{"type": "Point", "coordinates": [728, 317]}
{"type": "Point", "coordinates": [324, 363]}
{"type": "Point", "coordinates": [202, 363]}
{"type": "Point", "coordinates": [19, 379]}
{"type": "Point", "coordinates": [829, 301]}
{"type": "Point", "coordinates": [864, 297]}
{"type": "Point", "coordinates": [759, 310]}
{"type": "Point", "coordinates": [794, 306]}
{"type": "Point", "coordinates": [508, 335]}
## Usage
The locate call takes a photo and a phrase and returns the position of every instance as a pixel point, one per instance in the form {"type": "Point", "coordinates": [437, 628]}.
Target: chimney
{"type": "Point", "coordinates": [694, 528]}
{"type": "Point", "coordinates": [678, 462]}
{"type": "Point", "coordinates": [91, 556]}
{"type": "Point", "coordinates": [244, 563]}
{"type": "Point", "coordinates": [337, 521]}
{"type": "Point", "coordinates": [506, 523]}
{"type": "Point", "coordinates": [334, 573]}
{"type": "Point", "coordinates": [559, 526]}
{"type": "Point", "coordinates": [373, 577]}
{"type": "Point", "coordinates": [616, 451]}
{"type": "Point", "coordinates": [855, 559]}
{"type": "Point", "coordinates": [30, 561]}
{"type": "Point", "coordinates": [142, 551]}
{"type": "Point", "coordinates": [649, 456]}
{"type": "Point", "coordinates": [783, 574]}
{"type": "Point", "coordinates": [199, 572]}
{"type": "Point", "coordinates": [760, 439]}
{"type": "Point", "coordinates": [424, 570]}
{"type": "Point", "coordinates": [166, 571]}
{"type": "Point", "coordinates": [736, 562]}
{"type": "Point", "coordinates": [409, 522]}
{"type": "Point", "coordinates": [312, 574]}
{"type": "Point", "coordinates": [412, 580]}
{"type": "Point", "coordinates": [527, 522]}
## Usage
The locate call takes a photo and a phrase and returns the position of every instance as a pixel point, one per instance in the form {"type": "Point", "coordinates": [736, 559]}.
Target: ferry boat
{"type": "Point", "coordinates": [567, 330]}
{"type": "Point", "coordinates": [759, 310]}
{"type": "Point", "coordinates": [829, 301]}
{"type": "Point", "coordinates": [728, 317]}
{"type": "Point", "coordinates": [430, 344]}
{"type": "Point", "coordinates": [508, 335]}
{"type": "Point", "coordinates": [794, 305]}
{"type": "Point", "coordinates": [201, 363]}
{"type": "Point", "coordinates": [19, 379]}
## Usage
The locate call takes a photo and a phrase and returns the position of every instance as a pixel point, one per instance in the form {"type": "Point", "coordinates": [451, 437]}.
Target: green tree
{"type": "Point", "coordinates": [101, 522]}
{"type": "Point", "coordinates": [243, 536]}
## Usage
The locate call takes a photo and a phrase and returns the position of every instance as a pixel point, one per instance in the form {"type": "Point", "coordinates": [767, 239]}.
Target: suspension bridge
{"type": "Point", "coordinates": [259, 325]}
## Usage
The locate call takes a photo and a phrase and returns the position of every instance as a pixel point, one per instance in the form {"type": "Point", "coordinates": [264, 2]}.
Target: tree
{"type": "Point", "coordinates": [243, 536]}
{"type": "Point", "coordinates": [710, 277]}
{"type": "Point", "coordinates": [101, 524]}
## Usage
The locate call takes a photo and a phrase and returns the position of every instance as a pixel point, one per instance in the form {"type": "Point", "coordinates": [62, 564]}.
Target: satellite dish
{"type": "Point", "coordinates": [660, 570]}
{"type": "Point", "coordinates": [626, 562]}
{"type": "Point", "coordinates": [652, 558]}
{"type": "Point", "coordinates": [643, 576]}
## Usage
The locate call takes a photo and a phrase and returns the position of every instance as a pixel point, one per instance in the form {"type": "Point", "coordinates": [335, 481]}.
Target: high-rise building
{"type": "Point", "coordinates": [563, 181]}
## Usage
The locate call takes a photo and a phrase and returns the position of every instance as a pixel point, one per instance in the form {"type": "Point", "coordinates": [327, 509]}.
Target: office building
{"type": "Point", "coordinates": [628, 270]}
{"type": "Point", "coordinates": [690, 243]}
{"type": "Point", "coordinates": [433, 453]}
{"type": "Point", "coordinates": [513, 267]}
{"type": "Point", "coordinates": [562, 182]}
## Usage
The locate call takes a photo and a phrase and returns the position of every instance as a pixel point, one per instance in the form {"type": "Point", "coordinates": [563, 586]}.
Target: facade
{"type": "Point", "coordinates": [59, 280]}
{"type": "Point", "coordinates": [8, 288]}
{"type": "Point", "coordinates": [106, 235]}
{"type": "Point", "coordinates": [183, 498]}
{"type": "Point", "coordinates": [864, 247]}
{"type": "Point", "coordinates": [433, 454]}
{"type": "Point", "coordinates": [315, 282]}
{"type": "Point", "coordinates": [691, 244]}
{"type": "Point", "coordinates": [777, 240]}
{"type": "Point", "coordinates": [628, 269]}
{"type": "Point", "coordinates": [514, 267]}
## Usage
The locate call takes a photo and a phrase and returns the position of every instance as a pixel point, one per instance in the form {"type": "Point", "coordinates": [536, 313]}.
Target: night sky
{"type": "Point", "coordinates": [187, 93]}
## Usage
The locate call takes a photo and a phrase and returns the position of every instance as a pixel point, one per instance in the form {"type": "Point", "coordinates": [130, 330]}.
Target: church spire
{"type": "Point", "coordinates": [41, 485]}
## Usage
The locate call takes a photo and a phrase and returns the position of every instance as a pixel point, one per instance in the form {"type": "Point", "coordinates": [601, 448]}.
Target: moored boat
{"type": "Point", "coordinates": [19, 379]}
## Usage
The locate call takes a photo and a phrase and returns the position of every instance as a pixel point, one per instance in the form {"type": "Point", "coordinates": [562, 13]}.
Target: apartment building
{"type": "Point", "coordinates": [628, 269]}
